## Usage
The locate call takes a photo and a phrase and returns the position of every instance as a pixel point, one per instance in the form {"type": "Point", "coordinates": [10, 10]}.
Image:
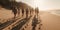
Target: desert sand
{"type": "Point", "coordinates": [50, 21]}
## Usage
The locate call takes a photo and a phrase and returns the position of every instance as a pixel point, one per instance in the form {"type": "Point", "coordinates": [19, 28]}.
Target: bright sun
{"type": "Point", "coordinates": [36, 3]}
{"type": "Point", "coordinates": [39, 4]}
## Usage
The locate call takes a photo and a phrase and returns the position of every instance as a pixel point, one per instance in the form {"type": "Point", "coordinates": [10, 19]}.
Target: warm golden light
{"type": "Point", "coordinates": [43, 4]}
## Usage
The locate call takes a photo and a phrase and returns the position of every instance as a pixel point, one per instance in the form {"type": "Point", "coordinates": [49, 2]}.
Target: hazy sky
{"type": "Point", "coordinates": [43, 4]}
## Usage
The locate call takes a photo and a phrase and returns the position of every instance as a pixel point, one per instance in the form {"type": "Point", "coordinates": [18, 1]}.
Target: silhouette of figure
{"type": "Point", "coordinates": [15, 8]}
{"type": "Point", "coordinates": [27, 13]}
{"type": "Point", "coordinates": [31, 11]}
{"type": "Point", "coordinates": [22, 12]}
{"type": "Point", "coordinates": [36, 11]}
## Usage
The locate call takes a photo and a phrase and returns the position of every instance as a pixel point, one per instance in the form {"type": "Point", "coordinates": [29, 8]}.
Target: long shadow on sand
{"type": "Point", "coordinates": [21, 23]}
{"type": "Point", "coordinates": [2, 26]}
{"type": "Point", "coordinates": [34, 23]}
